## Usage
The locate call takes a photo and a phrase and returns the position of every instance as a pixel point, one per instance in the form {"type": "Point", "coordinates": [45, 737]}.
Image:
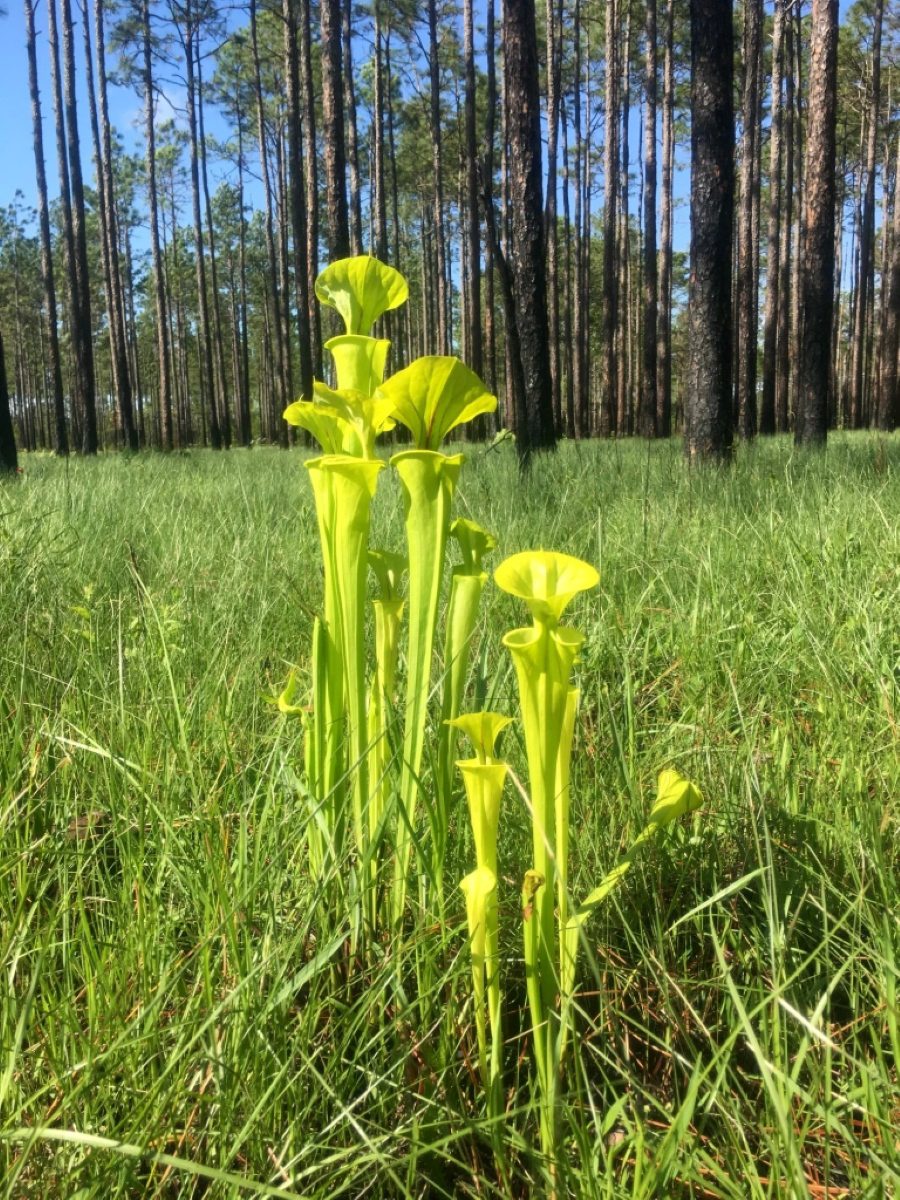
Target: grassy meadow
{"type": "Point", "coordinates": [174, 1024]}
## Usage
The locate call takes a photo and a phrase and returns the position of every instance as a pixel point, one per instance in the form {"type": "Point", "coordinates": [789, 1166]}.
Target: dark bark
{"type": "Point", "coordinates": [443, 308]}
{"type": "Point", "coordinates": [279, 395]}
{"type": "Point", "coordinates": [80, 326]}
{"type": "Point", "coordinates": [48, 282]}
{"type": "Point", "coordinates": [221, 391]}
{"type": "Point", "coordinates": [708, 431]}
{"type": "Point", "coordinates": [109, 230]}
{"type": "Point", "coordinates": [611, 186]}
{"type": "Point", "coordinates": [745, 367]}
{"type": "Point", "coordinates": [355, 212]}
{"type": "Point", "coordinates": [159, 289]}
{"type": "Point", "coordinates": [379, 183]}
{"type": "Point", "coordinates": [774, 248]}
{"type": "Point", "coordinates": [490, 332]}
{"type": "Point", "coordinates": [333, 129]}
{"type": "Point", "coordinates": [865, 287]}
{"type": "Point", "coordinates": [310, 163]}
{"type": "Point", "coordinates": [888, 411]}
{"type": "Point", "coordinates": [783, 330]}
{"type": "Point", "coordinates": [664, 337]}
{"type": "Point", "coordinates": [817, 269]}
{"type": "Point", "coordinates": [554, 79]}
{"type": "Point", "coordinates": [474, 340]}
{"type": "Point", "coordinates": [9, 460]}
{"type": "Point", "coordinates": [647, 418]}
{"type": "Point", "coordinates": [534, 426]}
{"type": "Point", "coordinates": [297, 196]}
{"type": "Point", "coordinates": [186, 19]}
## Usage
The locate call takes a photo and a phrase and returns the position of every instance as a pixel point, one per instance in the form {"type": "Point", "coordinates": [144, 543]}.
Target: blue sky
{"type": "Point", "coordinates": [15, 123]}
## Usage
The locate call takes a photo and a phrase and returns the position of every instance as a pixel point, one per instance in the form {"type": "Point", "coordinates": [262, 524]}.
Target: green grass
{"type": "Point", "coordinates": [177, 1021]}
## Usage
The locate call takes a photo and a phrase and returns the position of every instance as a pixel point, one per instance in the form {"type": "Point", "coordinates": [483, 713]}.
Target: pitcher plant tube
{"type": "Point", "coordinates": [484, 777]}
{"type": "Point", "coordinates": [430, 397]}
{"type": "Point", "coordinates": [543, 655]}
{"type": "Point", "coordinates": [466, 587]}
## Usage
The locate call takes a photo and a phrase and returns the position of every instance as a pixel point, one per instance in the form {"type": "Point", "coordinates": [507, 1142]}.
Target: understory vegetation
{"type": "Point", "coordinates": [173, 1022]}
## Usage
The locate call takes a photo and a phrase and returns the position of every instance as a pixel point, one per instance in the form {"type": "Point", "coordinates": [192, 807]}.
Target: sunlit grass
{"type": "Point", "coordinates": [173, 1021]}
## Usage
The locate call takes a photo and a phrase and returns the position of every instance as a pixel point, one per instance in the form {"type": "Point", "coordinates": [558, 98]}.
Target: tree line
{"type": "Point", "coordinates": [518, 162]}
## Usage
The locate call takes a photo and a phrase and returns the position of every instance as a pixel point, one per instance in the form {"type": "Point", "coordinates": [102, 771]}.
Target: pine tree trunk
{"type": "Point", "coordinates": [745, 367]}
{"type": "Point", "coordinates": [109, 234]}
{"type": "Point", "coordinates": [534, 426]}
{"type": "Point", "coordinates": [207, 382]}
{"type": "Point", "coordinates": [580, 316]}
{"type": "Point", "coordinates": [610, 223]}
{"type": "Point", "coordinates": [708, 412]}
{"type": "Point", "coordinates": [474, 340]}
{"type": "Point", "coordinates": [647, 422]}
{"type": "Point", "coordinates": [783, 332]}
{"type": "Point", "coordinates": [817, 270]}
{"type": "Point", "coordinates": [333, 128]}
{"type": "Point", "coordinates": [310, 162]}
{"type": "Point", "coordinates": [221, 389]}
{"type": "Point", "coordinates": [72, 194]}
{"type": "Point", "coordinates": [490, 327]}
{"type": "Point", "coordinates": [865, 287]}
{"type": "Point", "coordinates": [773, 253]}
{"type": "Point", "coordinates": [60, 434]}
{"type": "Point", "coordinates": [554, 70]}
{"type": "Point", "coordinates": [888, 411]}
{"type": "Point", "coordinates": [356, 237]}
{"type": "Point", "coordinates": [379, 203]}
{"type": "Point", "coordinates": [623, 242]}
{"type": "Point", "coordinates": [9, 460]}
{"type": "Point", "coordinates": [297, 192]}
{"type": "Point", "coordinates": [159, 290]}
{"type": "Point", "coordinates": [443, 331]}
{"type": "Point", "coordinates": [664, 336]}
{"type": "Point", "coordinates": [279, 397]}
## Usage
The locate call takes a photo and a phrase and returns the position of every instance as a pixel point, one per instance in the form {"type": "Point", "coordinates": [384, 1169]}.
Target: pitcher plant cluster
{"type": "Point", "coordinates": [375, 799]}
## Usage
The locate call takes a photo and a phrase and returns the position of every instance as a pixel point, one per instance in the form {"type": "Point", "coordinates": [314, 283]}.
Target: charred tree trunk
{"type": "Point", "coordinates": [474, 340]}
{"type": "Point", "coordinates": [279, 398]}
{"type": "Point", "coordinates": [207, 381]}
{"type": "Point", "coordinates": [333, 128]}
{"type": "Point", "coordinates": [865, 286]}
{"type": "Point", "coordinates": [647, 420]}
{"type": "Point", "coordinates": [310, 162]}
{"type": "Point", "coordinates": [297, 196]}
{"type": "Point", "coordinates": [664, 336]}
{"type": "Point", "coordinates": [355, 215]}
{"type": "Point", "coordinates": [159, 286]}
{"type": "Point", "coordinates": [443, 331]}
{"type": "Point", "coordinates": [773, 253]}
{"type": "Point", "coordinates": [708, 403]}
{"type": "Point", "coordinates": [611, 186]}
{"type": "Point", "coordinates": [9, 459]}
{"type": "Point", "coordinates": [490, 328]}
{"type": "Point", "coordinates": [888, 412]}
{"type": "Point", "coordinates": [80, 317]}
{"type": "Point", "coordinates": [554, 79]}
{"type": "Point", "coordinates": [745, 368]}
{"type": "Point", "coordinates": [109, 233]}
{"type": "Point", "coordinates": [534, 426]}
{"type": "Point", "coordinates": [817, 269]}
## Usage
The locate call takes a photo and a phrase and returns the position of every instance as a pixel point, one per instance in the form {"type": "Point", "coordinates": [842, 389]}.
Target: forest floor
{"type": "Point", "coordinates": [169, 1025]}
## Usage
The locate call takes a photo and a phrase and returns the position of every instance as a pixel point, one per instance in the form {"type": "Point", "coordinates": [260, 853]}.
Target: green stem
{"type": "Point", "coordinates": [428, 480]}
{"type": "Point", "coordinates": [462, 613]}
{"type": "Point", "coordinates": [352, 486]}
